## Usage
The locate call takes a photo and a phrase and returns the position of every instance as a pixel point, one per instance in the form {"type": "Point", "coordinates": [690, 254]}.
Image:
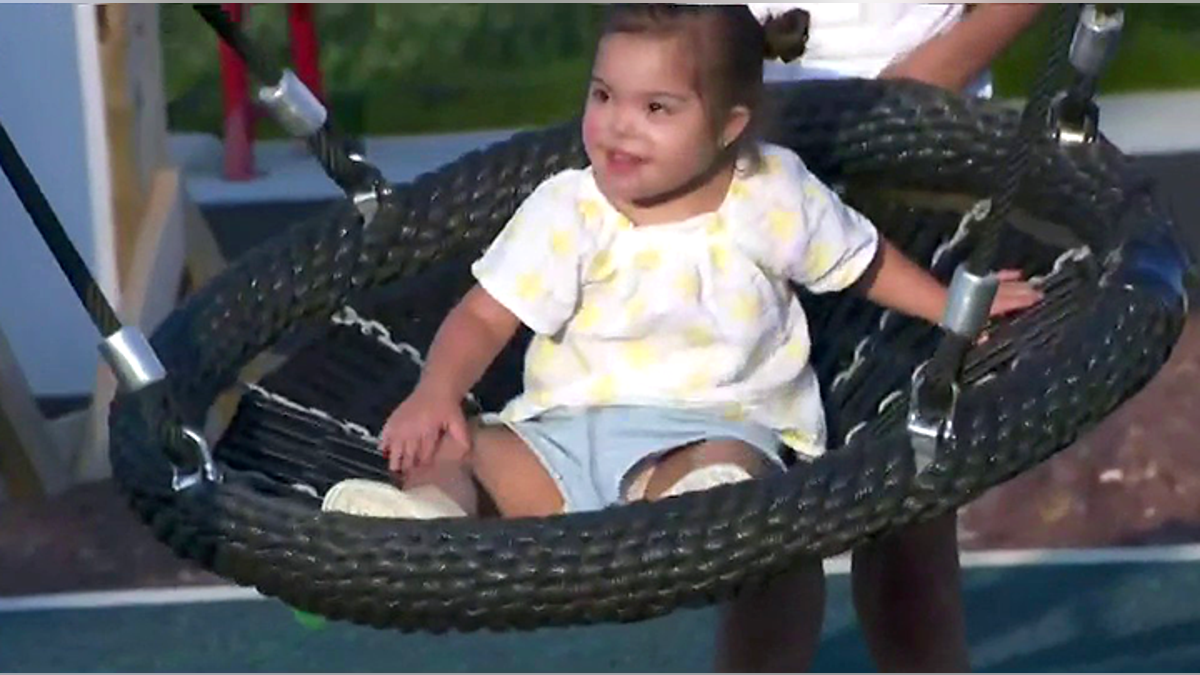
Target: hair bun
{"type": "Point", "coordinates": [786, 35]}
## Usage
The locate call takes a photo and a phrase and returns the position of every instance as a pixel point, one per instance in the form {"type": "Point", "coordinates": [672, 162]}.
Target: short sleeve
{"type": "Point", "coordinates": [816, 240]}
{"type": "Point", "coordinates": [534, 266]}
{"type": "Point", "coordinates": [765, 10]}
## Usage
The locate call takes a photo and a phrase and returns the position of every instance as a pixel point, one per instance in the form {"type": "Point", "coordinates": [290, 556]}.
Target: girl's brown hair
{"type": "Point", "coordinates": [729, 45]}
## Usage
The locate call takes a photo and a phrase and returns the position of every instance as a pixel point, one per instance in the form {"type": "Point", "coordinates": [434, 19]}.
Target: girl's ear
{"type": "Point", "coordinates": [735, 124]}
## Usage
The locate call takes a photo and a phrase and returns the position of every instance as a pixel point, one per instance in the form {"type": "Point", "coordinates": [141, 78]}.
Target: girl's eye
{"type": "Point", "coordinates": [600, 96]}
{"type": "Point", "coordinates": [656, 107]}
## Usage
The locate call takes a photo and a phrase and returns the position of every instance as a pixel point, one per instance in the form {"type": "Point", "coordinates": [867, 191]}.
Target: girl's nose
{"type": "Point", "coordinates": [622, 121]}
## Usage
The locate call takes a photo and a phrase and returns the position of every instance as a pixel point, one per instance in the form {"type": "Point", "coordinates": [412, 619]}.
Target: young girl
{"type": "Point", "coordinates": [670, 353]}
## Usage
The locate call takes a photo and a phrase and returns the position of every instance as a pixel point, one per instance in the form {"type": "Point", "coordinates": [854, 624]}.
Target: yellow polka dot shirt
{"type": "Point", "coordinates": [698, 313]}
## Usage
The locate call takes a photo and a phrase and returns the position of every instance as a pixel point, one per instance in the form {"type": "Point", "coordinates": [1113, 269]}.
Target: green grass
{"type": "Point", "coordinates": [477, 98]}
{"type": "Point", "coordinates": [409, 69]}
{"type": "Point", "coordinates": [1159, 50]}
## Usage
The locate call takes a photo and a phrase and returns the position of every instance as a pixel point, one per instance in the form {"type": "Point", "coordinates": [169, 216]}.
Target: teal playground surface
{"type": "Point", "coordinates": [1121, 610]}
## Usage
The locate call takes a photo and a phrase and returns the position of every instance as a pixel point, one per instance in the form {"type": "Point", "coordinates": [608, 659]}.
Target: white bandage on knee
{"type": "Point", "coordinates": [708, 477]}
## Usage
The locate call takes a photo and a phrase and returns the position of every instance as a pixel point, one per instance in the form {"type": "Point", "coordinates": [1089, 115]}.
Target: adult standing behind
{"type": "Point", "coordinates": [906, 585]}
{"type": "Point", "coordinates": [947, 45]}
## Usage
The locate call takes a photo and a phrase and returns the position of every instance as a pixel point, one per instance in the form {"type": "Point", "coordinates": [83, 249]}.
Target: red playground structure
{"type": "Point", "coordinates": [239, 113]}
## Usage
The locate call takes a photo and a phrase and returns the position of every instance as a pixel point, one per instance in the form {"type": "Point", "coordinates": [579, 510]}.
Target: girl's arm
{"type": "Point", "coordinates": [467, 342]}
{"type": "Point", "coordinates": [898, 283]}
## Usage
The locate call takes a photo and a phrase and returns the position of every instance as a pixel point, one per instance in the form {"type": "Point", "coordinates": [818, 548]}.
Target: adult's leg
{"type": "Point", "coordinates": [774, 629]}
{"type": "Point", "coordinates": [908, 594]}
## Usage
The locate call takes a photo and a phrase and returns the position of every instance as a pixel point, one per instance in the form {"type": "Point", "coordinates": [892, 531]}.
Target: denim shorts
{"type": "Point", "coordinates": [590, 453]}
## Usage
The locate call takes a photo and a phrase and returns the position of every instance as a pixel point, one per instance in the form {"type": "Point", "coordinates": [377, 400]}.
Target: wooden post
{"type": "Point", "coordinates": [31, 464]}
{"type": "Point", "coordinates": [135, 116]}
{"type": "Point", "coordinates": [160, 231]}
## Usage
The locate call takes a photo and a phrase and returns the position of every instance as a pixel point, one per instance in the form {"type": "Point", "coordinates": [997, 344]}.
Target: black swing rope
{"type": "Point", "coordinates": [65, 254]}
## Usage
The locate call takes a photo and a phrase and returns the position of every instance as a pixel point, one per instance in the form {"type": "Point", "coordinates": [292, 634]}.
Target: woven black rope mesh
{"type": "Point", "coordinates": [1044, 381]}
{"type": "Point", "coordinates": [328, 374]}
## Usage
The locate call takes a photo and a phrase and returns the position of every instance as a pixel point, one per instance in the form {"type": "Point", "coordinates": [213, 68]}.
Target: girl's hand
{"type": "Point", "coordinates": [411, 435]}
{"type": "Point", "coordinates": [1014, 293]}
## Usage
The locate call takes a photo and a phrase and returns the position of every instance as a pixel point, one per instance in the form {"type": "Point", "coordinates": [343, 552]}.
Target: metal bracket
{"type": "Point", "coordinates": [930, 425]}
{"type": "Point", "coordinates": [295, 106]}
{"type": "Point", "coordinates": [1074, 116]}
{"type": "Point", "coordinates": [1096, 38]}
{"type": "Point", "coordinates": [137, 366]}
{"type": "Point", "coordinates": [132, 359]}
{"type": "Point", "coordinates": [1075, 120]}
{"type": "Point", "coordinates": [366, 201]}
{"type": "Point", "coordinates": [303, 115]}
{"type": "Point", "coordinates": [978, 212]}
{"type": "Point", "coordinates": [367, 204]}
{"type": "Point", "coordinates": [969, 302]}
{"type": "Point", "coordinates": [207, 470]}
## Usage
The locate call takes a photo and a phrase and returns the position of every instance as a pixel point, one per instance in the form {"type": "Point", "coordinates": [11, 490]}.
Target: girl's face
{"type": "Point", "coordinates": [646, 130]}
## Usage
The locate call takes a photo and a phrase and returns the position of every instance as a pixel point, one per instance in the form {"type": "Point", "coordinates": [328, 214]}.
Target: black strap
{"type": "Point", "coordinates": [65, 253]}
{"type": "Point", "coordinates": [947, 361]}
{"type": "Point", "coordinates": [233, 36]}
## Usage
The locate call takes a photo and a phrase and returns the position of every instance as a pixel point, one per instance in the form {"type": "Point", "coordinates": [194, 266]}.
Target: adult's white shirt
{"type": "Point", "coordinates": [862, 39]}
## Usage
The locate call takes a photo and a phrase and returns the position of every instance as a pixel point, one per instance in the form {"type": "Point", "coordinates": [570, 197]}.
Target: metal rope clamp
{"type": "Point", "coordinates": [136, 367]}
{"type": "Point", "coordinates": [206, 471]}
{"type": "Point", "coordinates": [931, 413]}
{"type": "Point", "coordinates": [1074, 116]}
{"type": "Point", "coordinates": [366, 200]}
{"type": "Point", "coordinates": [303, 115]}
{"type": "Point", "coordinates": [294, 105]}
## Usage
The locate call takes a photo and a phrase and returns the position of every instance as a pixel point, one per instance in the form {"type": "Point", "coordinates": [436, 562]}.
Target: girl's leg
{"type": "Point", "coordinates": [773, 628]}
{"type": "Point", "coordinates": [513, 476]}
{"type": "Point", "coordinates": [907, 591]}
